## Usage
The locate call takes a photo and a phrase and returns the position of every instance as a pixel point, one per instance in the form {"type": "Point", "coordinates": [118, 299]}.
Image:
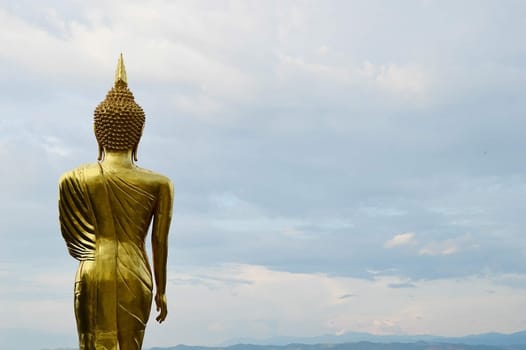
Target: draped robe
{"type": "Point", "coordinates": [104, 220]}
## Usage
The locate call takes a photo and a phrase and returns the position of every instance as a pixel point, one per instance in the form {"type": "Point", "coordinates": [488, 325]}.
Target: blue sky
{"type": "Point", "coordinates": [338, 165]}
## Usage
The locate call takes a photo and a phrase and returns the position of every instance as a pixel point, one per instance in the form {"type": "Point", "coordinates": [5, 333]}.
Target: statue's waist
{"type": "Point", "coordinates": [109, 274]}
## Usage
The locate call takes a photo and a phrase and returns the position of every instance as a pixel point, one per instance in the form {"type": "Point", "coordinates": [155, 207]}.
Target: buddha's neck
{"type": "Point", "coordinates": [118, 159]}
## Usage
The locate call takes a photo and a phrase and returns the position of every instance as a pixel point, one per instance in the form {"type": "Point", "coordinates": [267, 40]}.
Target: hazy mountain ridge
{"type": "Point", "coordinates": [498, 339]}
{"type": "Point", "coordinates": [353, 346]}
{"type": "Point", "coordinates": [367, 341]}
{"type": "Point", "coordinates": [346, 346]}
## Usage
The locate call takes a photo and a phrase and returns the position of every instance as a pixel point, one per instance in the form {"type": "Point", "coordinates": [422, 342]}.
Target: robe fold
{"type": "Point", "coordinates": [104, 220]}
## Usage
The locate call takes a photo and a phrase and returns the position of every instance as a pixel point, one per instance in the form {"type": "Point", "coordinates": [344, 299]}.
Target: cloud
{"type": "Point", "coordinates": [407, 82]}
{"type": "Point", "coordinates": [513, 280]}
{"type": "Point", "coordinates": [402, 285]}
{"type": "Point", "coordinates": [346, 296]}
{"type": "Point", "coordinates": [386, 326]}
{"type": "Point", "coordinates": [299, 139]}
{"type": "Point", "coordinates": [54, 146]}
{"type": "Point", "coordinates": [269, 130]}
{"type": "Point", "coordinates": [274, 301]}
{"type": "Point", "coordinates": [403, 83]}
{"type": "Point", "coordinates": [400, 240]}
{"type": "Point", "coordinates": [439, 248]}
{"type": "Point", "coordinates": [261, 303]}
{"type": "Point", "coordinates": [447, 247]}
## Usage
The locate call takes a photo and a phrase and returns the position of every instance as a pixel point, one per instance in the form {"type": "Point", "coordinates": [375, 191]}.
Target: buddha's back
{"type": "Point", "coordinates": [105, 210]}
{"type": "Point", "coordinates": [122, 202]}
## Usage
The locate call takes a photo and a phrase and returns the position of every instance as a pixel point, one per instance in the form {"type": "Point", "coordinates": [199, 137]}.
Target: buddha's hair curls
{"type": "Point", "coordinates": [119, 121]}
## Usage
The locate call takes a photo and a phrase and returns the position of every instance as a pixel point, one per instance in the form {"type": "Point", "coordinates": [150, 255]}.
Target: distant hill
{"type": "Point", "coordinates": [353, 346]}
{"type": "Point", "coordinates": [518, 338]}
{"type": "Point", "coordinates": [367, 341]}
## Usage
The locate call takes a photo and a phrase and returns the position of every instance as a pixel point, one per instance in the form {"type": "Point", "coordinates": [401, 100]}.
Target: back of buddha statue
{"type": "Point", "coordinates": [105, 211]}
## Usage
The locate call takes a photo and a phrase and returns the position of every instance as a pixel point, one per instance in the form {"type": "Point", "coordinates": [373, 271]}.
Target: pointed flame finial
{"type": "Point", "coordinates": [120, 73]}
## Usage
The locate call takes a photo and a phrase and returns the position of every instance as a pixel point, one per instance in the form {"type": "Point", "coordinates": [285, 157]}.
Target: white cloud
{"type": "Point", "coordinates": [258, 302]}
{"type": "Point", "coordinates": [55, 146]}
{"type": "Point", "coordinates": [155, 46]}
{"type": "Point", "coordinates": [386, 326]}
{"type": "Point", "coordinates": [271, 302]}
{"type": "Point", "coordinates": [439, 248]}
{"type": "Point", "coordinates": [408, 82]}
{"type": "Point", "coordinates": [232, 213]}
{"type": "Point", "coordinates": [280, 122]}
{"type": "Point", "coordinates": [401, 239]}
{"type": "Point", "coordinates": [294, 67]}
{"type": "Point", "coordinates": [448, 246]}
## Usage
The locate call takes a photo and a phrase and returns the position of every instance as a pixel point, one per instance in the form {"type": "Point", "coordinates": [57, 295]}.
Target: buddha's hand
{"type": "Point", "coordinates": [160, 302]}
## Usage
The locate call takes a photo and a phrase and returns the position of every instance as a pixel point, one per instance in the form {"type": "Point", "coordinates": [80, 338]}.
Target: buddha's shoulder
{"type": "Point", "coordinates": [153, 176]}
{"type": "Point", "coordinates": [82, 171]}
{"type": "Point", "coordinates": [91, 172]}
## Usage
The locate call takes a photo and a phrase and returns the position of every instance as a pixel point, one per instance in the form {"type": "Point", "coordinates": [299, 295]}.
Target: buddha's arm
{"type": "Point", "coordinates": [161, 225]}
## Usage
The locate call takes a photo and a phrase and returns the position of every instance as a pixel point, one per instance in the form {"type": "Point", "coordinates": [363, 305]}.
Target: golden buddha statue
{"type": "Point", "coordinates": [105, 210]}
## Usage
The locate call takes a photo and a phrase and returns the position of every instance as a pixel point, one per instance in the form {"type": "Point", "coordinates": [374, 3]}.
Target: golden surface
{"type": "Point", "coordinates": [120, 72]}
{"type": "Point", "coordinates": [105, 210]}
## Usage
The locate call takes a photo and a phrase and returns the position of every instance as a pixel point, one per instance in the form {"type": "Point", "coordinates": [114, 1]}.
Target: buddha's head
{"type": "Point", "coordinates": [119, 121]}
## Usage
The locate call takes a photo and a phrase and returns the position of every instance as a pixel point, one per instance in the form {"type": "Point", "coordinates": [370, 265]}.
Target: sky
{"type": "Point", "coordinates": [338, 165]}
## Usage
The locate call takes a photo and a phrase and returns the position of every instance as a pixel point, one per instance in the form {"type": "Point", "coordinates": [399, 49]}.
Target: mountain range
{"type": "Point", "coordinates": [499, 339]}
{"type": "Point", "coordinates": [355, 346]}
{"type": "Point", "coordinates": [367, 341]}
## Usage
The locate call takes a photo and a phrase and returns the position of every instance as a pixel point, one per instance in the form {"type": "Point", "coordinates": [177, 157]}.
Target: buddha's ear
{"type": "Point", "coordinates": [134, 152]}
{"type": "Point", "coordinates": [101, 153]}
{"type": "Point", "coordinates": [100, 156]}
